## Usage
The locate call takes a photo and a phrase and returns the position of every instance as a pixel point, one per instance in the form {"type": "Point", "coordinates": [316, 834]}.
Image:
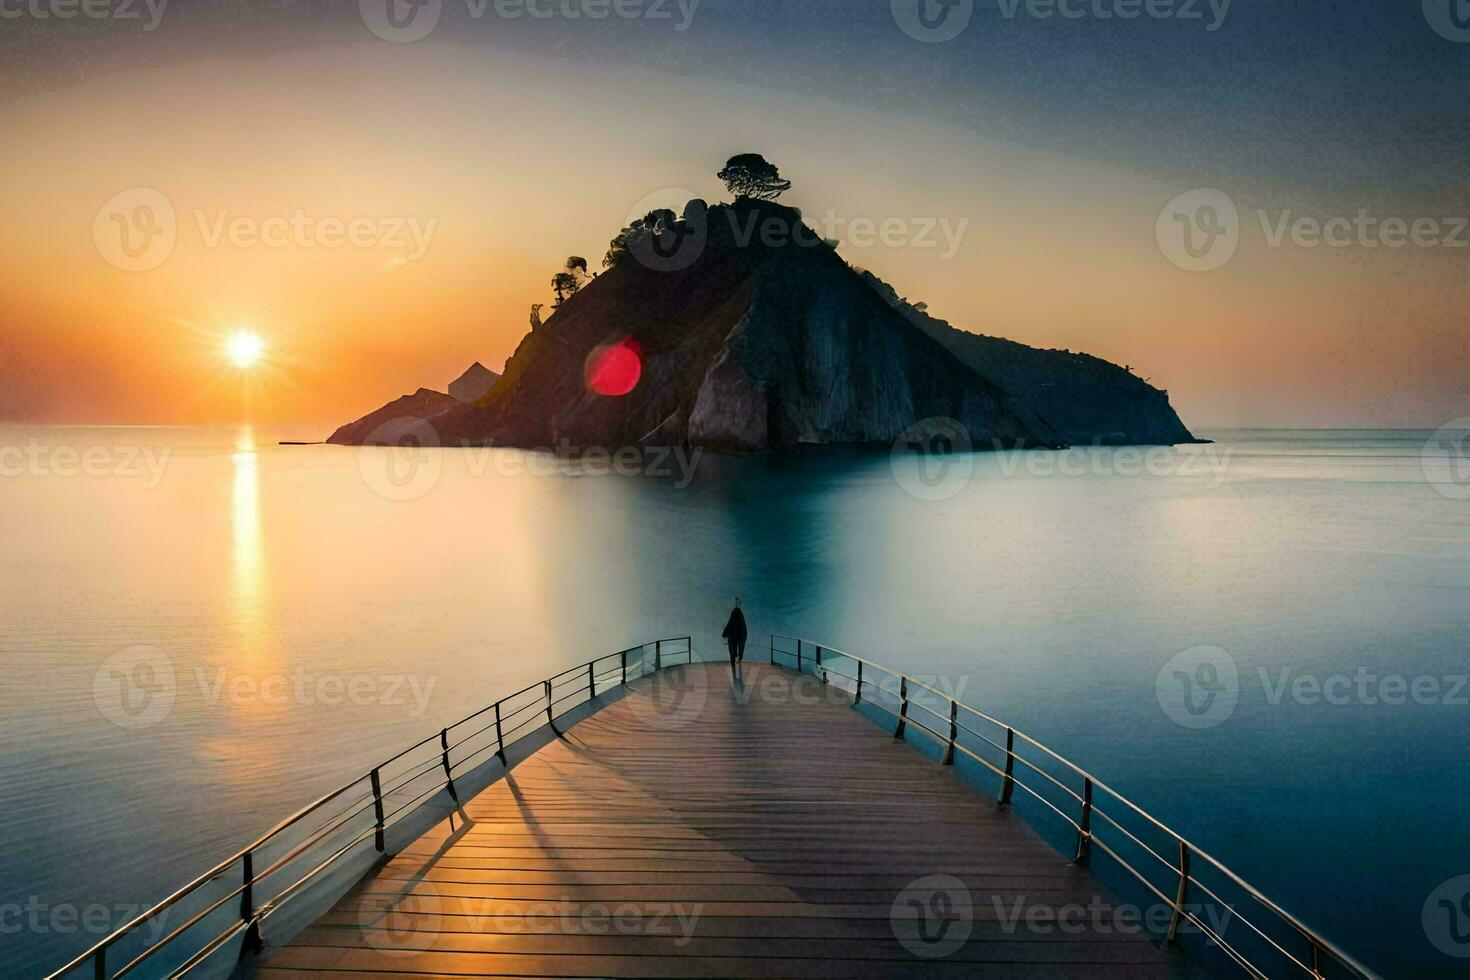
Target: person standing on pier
{"type": "Point", "coordinates": [735, 634]}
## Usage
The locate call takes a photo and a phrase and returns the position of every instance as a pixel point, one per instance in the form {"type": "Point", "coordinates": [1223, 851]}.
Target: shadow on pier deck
{"type": "Point", "coordinates": [738, 830]}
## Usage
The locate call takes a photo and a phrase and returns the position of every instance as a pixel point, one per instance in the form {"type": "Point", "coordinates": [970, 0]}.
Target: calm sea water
{"type": "Point", "coordinates": [318, 607]}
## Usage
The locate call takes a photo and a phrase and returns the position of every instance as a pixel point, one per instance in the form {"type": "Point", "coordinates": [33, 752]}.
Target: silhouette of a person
{"type": "Point", "coordinates": [735, 634]}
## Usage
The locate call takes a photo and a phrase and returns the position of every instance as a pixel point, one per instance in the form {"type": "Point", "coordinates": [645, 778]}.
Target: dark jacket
{"type": "Point", "coordinates": [735, 628]}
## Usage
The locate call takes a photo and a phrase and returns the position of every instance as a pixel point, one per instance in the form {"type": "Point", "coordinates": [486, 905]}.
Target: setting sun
{"type": "Point", "coordinates": [244, 349]}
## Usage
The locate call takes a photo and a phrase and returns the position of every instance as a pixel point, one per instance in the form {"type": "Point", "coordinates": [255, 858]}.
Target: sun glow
{"type": "Point", "coordinates": [244, 349]}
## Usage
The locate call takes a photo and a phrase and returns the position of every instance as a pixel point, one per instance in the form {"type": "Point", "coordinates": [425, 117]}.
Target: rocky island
{"type": "Point", "coordinates": [736, 328]}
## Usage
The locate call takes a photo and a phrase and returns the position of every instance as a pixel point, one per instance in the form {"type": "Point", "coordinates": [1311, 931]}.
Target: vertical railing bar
{"type": "Point", "coordinates": [99, 964]}
{"type": "Point", "coordinates": [798, 656]}
{"type": "Point", "coordinates": [499, 735]}
{"type": "Point", "coordinates": [658, 656]}
{"type": "Point", "coordinates": [954, 731]}
{"type": "Point", "coordinates": [591, 682]}
{"type": "Point", "coordinates": [550, 718]}
{"type": "Point", "coordinates": [625, 668]}
{"type": "Point", "coordinates": [903, 706]}
{"type": "Point", "coordinates": [247, 897]}
{"type": "Point", "coordinates": [377, 810]}
{"type": "Point", "coordinates": [448, 772]}
{"type": "Point", "coordinates": [1084, 827]}
{"type": "Point", "coordinates": [857, 695]}
{"type": "Point", "coordinates": [1008, 784]}
{"type": "Point", "coordinates": [1178, 914]}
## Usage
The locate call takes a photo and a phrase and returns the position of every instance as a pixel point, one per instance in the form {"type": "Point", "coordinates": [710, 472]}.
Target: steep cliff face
{"type": "Point", "coordinates": [738, 329]}
{"type": "Point", "coordinates": [1086, 399]}
{"type": "Point", "coordinates": [766, 340]}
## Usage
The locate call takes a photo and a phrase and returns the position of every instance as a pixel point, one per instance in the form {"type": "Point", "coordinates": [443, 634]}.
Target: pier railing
{"type": "Point", "coordinates": [205, 926]}
{"type": "Point", "coordinates": [1192, 888]}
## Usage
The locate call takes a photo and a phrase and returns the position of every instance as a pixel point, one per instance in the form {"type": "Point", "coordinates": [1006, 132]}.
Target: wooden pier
{"type": "Point", "coordinates": [754, 829]}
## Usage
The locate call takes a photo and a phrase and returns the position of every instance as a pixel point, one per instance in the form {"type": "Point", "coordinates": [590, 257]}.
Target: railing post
{"type": "Point", "coordinates": [550, 718]}
{"type": "Point", "coordinates": [819, 660]}
{"type": "Point", "coordinates": [1178, 915]}
{"type": "Point", "coordinates": [903, 706]}
{"type": "Point", "coordinates": [954, 731]}
{"type": "Point", "coordinates": [377, 810]}
{"type": "Point", "coordinates": [1008, 784]}
{"type": "Point", "coordinates": [625, 667]}
{"type": "Point", "coordinates": [99, 964]}
{"type": "Point", "coordinates": [591, 680]}
{"type": "Point", "coordinates": [798, 656]}
{"type": "Point", "coordinates": [857, 695]}
{"type": "Point", "coordinates": [773, 649]}
{"type": "Point", "coordinates": [448, 773]}
{"type": "Point", "coordinates": [247, 897]}
{"type": "Point", "coordinates": [499, 735]}
{"type": "Point", "coordinates": [658, 656]}
{"type": "Point", "coordinates": [1084, 835]}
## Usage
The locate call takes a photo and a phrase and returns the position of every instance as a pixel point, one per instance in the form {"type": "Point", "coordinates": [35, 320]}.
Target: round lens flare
{"type": "Point", "coordinates": [615, 369]}
{"type": "Point", "coordinates": [244, 349]}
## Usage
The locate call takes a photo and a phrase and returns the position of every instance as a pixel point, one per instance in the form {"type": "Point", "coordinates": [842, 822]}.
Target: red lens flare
{"type": "Point", "coordinates": [615, 369]}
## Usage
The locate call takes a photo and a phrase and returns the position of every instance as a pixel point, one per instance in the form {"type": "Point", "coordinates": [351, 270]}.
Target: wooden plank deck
{"type": "Point", "coordinates": [699, 829]}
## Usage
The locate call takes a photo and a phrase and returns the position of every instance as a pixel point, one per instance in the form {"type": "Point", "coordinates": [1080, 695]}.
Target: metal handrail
{"type": "Point", "coordinates": [592, 684]}
{"type": "Point", "coordinates": [808, 651]}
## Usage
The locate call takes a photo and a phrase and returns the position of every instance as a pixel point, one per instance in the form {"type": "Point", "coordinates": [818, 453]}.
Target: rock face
{"type": "Point", "coordinates": [1086, 399]}
{"type": "Point", "coordinates": [425, 417]}
{"type": "Point", "coordinates": [750, 334]}
{"type": "Point", "coordinates": [474, 384]}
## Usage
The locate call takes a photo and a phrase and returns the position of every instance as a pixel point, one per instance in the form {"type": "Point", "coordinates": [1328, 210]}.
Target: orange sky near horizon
{"type": "Point", "coordinates": [512, 163]}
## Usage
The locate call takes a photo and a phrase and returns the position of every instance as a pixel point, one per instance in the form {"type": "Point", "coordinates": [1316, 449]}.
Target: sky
{"type": "Point", "coordinates": [382, 208]}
